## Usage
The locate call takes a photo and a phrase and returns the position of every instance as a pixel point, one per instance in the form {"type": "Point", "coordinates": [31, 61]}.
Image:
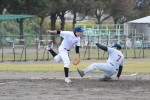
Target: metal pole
{"type": "Point", "coordinates": [14, 48]}
{"type": "Point", "coordinates": [36, 49]}
{"type": "Point", "coordinates": [98, 48]}
{"type": "Point", "coordinates": [126, 47]}
{"type": "Point", "coordinates": [2, 48]}
{"type": "Point", "coordinates": [44, 49]}
{"type": "Point", "coordinates": [22, 53]}
{"type": "Point", "coordinates": [25, 47]}
{"type": "Point", "coordinates": [143, 47]}
{"type": "Point", "coordinates": [88, 49]}
{"type": "Point", "coordinates": [134, 47]}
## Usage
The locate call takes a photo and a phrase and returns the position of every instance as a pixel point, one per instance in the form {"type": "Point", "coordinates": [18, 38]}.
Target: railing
{"type": "Point", "coordinates": [32, 47]}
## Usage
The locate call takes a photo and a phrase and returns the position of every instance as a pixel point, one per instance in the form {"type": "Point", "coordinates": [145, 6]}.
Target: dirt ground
{"type": "Point", "coordinates": [51, 86]}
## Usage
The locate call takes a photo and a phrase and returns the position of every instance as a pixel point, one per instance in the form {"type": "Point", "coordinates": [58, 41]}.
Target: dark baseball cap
{"type": "Point", "coordinates": [118, 46]}
{"type": "Point", "coordinates": [78, 29]}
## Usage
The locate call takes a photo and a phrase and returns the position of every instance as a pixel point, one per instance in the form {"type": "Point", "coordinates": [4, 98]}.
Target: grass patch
{"type": "Point", "coordinates": [129, 67]}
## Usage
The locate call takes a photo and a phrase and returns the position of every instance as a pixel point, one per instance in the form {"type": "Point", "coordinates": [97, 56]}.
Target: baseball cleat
{"type": "Point", "coordinates": [80, 72]}
{"type": "Point", "coordinates": [105, 79]}
{"type": "Point", "coordinates": [48, 47]}
{"type": "Point", "coordinates": [67, 80]}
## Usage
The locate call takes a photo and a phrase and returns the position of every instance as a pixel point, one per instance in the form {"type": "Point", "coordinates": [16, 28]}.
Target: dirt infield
{"type": "Point", "coordinates": [51, 86]}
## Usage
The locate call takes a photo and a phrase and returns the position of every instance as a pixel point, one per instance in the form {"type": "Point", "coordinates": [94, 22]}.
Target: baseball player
{"type": "Point", "coordinates": [114, 63]}
{"type": "Point", "coordinates": [69, 40]}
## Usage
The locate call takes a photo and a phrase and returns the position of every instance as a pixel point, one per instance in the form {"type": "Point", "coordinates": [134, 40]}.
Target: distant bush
{"type": "Point", "coordinates": [31, 26]}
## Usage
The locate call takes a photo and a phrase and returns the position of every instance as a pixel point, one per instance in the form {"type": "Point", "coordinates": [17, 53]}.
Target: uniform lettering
{"type": "Point", "coordinates": [118, 58]}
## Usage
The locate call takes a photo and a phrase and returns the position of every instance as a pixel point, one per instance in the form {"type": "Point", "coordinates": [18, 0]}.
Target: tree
{"type": "Point", "coordinates": [98, 11]}
{"type": "Point", "coordinates": [41, 9]}
{"type": "Point", "coordinates": [80, 8]}
{"type": "Point", "coordinates": [33, 7]}
{"type": "Point", "coordinates": [56, 7]}
{"type": "Point", "coordinates": [63, 10]}
{"type": "Point", "coordinates": [143, 7]}
{"type": "Point", "coordinates": [3, 5]}
{"type": "Point", "coordinates": [117, 8]}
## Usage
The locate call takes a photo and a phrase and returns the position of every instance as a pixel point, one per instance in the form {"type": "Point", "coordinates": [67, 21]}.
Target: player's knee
{"type": "Point", "coordinates": [57, 60]}
{"type": "Point", "coordinates": [67, 64]}
{"type": "Point", "coordinates": [94, 66]}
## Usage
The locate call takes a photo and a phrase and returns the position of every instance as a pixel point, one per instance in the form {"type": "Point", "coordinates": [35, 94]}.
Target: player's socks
{"type": "Point", "coordinates": [52, 52]}
{"type": "Point", "coordinates": [66, 71]}
{"type": "Point", "coordinates": [67, 79]}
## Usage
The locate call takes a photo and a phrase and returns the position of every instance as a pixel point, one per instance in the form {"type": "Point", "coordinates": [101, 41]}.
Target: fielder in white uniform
{"type": "Point", "coordinates": [114, 63]}
{"type": "Point", "coordinates": [69, 40]}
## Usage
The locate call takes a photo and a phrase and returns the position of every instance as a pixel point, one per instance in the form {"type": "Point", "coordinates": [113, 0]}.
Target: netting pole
{"type": "Point", "coordinates": [143, 46]}
{"type": "Point", "coordinates": [98, 48]}
{"type": "Point", "coordinates": [37, 48]}
{"type": "Point", "coordinates": [88, 50]}
{"type": "Point", "coordinates": [2, 48]}
{"type": "Point", "coordinates": [14, 48]}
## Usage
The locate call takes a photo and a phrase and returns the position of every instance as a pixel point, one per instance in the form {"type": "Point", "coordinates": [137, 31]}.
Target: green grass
{"type": "Point", "coordinates": [129, 67]}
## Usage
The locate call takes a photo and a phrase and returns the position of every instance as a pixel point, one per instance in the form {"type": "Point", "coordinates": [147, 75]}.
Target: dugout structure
{"type": "Point", "coordinates": [142, 28]}
{"type": "Point", "coordinates": [18, 18]}
{"type": "Point", "coordinates": [6, 28]}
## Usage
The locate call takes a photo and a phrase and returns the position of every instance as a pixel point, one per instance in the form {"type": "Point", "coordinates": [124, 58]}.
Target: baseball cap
{"type": "Point", "coordinates": [78, 29]}
{"type": "Point", "coordinates": [118, 46]}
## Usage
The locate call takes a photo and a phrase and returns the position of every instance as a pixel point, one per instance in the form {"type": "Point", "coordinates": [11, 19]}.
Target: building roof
{"type": "Point", "coordinates": [141, 20]}
{"type": "Point", "coordinates": [10, 17]}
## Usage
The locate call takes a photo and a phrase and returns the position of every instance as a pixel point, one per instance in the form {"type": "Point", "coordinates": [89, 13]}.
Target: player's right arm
{"type": "Point", "coordinates": [101, 46]}
{"type": "Point", "coordinates": [56, 32]}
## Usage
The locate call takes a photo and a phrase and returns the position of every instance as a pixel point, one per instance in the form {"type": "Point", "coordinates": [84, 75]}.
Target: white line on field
{"type": "Point", "coordinates": [8, 82]}
{"type": "Point", "coordinates": [40, 78]}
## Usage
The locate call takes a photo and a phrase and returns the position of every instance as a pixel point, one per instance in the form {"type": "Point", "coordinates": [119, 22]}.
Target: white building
{"type": "Point", "coordinates": [138, 26]}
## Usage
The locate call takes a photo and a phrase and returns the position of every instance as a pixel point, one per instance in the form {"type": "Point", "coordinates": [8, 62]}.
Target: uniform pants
{"type": "Point", "coordinates": [108, 69]}
{"type": "Point", "coordinates": [63, 56]}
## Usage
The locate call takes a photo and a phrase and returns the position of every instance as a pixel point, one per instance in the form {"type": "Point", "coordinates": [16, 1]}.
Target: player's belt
{"type": "Point", "coordinates": [112, 64]}
{"type": "Point", "coordinates": [66, 49]}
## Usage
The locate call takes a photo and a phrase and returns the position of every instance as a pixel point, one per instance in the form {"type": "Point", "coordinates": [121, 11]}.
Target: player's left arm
{"type": "Point", "coordinates": [119, 71]}
{"type": "Point", "coordinates": [77, 52]}
{"type": "Point", "coordinates": [77, 60]}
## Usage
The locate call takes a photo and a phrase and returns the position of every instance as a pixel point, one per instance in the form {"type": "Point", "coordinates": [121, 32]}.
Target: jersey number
{"type": "Point", "coordinates": [118, 58]}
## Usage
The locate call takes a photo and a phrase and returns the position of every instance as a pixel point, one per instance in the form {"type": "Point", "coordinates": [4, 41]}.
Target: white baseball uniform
{"type": "Point", "coordinates": [115, 59]}
{"type": "Point", "coordinates": [69, 40]}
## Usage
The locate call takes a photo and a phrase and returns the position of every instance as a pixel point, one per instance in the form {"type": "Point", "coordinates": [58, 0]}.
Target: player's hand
{"type": "Point", "coordinates": [95, 42]}
{"type": "Point", "coordinates": [76, 61]}
{"type": "Point", "coordinates": [48, 31]}
{"type": "Point", "coordinates": [118, 78]}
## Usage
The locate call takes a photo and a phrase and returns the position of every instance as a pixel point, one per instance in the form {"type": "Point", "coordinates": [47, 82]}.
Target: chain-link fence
{"type": "Point", "coordinates": [24, 48]}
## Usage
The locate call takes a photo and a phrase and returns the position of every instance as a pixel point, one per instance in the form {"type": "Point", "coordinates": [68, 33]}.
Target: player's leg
{"type": "Point", "coordinates": [107, 75]}
{"type": "Point", "coordinates": [56, 56]}
{"type": "Point", "coordinates": [52, 52]}
{"type": "Point", "coordinates": [64, 55]}
{"type": "Point", "coordinates": [49, 48]}
{"type": "Point", "coordinates": [94, 66]}
{"type": "Point", "coordinates": [100, 66]}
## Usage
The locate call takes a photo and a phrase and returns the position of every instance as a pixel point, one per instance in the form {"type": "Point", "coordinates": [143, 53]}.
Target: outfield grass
{"type": "Point", "coordinates": [129, 67]}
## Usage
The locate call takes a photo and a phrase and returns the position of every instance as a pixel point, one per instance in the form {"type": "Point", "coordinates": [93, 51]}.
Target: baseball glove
{"type": "Point", "coordinates": [76, 61]}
